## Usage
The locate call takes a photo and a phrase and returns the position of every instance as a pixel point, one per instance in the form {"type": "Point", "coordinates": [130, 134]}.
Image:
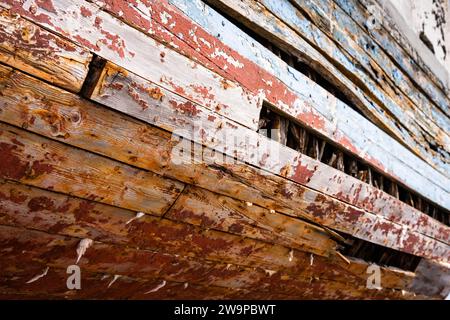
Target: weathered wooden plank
{"type": "Point", "coordinates": [25, 46]}
{"type": "Point", "coordinates": [390, 277]}
{"type": "Point", "coordinates": [146, 152]}
{"type": "Point", "coordinates": [29, 207]}
{"type": "Point", "coordinates": [137, 52]}
{"type": "Point", "coordinates": [97, 286]}
{"type": "Point", "coordinates": [351, 81]}
{"type": "Point", "coordinates": [410, 43]}
{"type": "Point", "coordinates": [100, 286]}
{"type": "Point", "coordinates": [411, 108]}
{"type": "Point", "coordinates": [341, 124]}
{"type": "Point", "coordinates": [208, 210]}
{"type": "Point", "coordinates": [41, 162]}
{"type": "Point", "coordinates": [264, 153]}
{"type": "Point", "coordinates": [367, 154]}
{"type": "Point", "coordinates": [380, 41]}
{"type": "Point", "coordinates": [47, 211]}
{"type": "Point", "coordinates": [20, 246]}
{"type": "Point", "coordinates": [225, 177]}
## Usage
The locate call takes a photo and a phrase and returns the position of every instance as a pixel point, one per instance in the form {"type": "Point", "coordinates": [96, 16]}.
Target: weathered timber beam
{"type": "Point", "coordinates": [41, 162]}
{"type": "Point", "coordinates": [411, 109]}
{"type": "Point", "coordinates": [114, 88]}
{"type": "Point", "coordinates": [343, 73]}
{"type": "Point", "coordinates": [325, 208]}
{"type": "Point", "coordinates": [59, 251]}
{"type": "Point", "coordinates": [102, 286]}
{"type": "Point", "coordinates": [380, 158]}
{"type": "Point", "coordinates": [145, 147]}
{"type": "Point", "coordinates": [341, 124]}
{"type": "Point", "coordinates": [410, 43]}
{"type": "Point", "coordinates": [110, 223]}
{"type": "Point", "coordinates": [47, 211]}
{"type": "Point", "coordinates": [29, 207]}
{"type": "Point", "coordinates": [25, 46]}
{"type": "Point", "coordinates": [354, 16]}
{"type": "Point", "coordinates": [136, 52]}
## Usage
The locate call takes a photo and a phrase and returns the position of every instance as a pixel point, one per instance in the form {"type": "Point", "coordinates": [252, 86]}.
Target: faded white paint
{"type": "Point", "coordinates": [431, 18]}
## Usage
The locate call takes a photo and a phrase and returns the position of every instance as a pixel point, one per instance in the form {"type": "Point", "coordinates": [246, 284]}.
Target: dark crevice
{"type": "Point", "coordinates": [287, 131]}
{"type": "Point", "coordinates": [380, 255]}
{"type": "Point", "coordinates": [95, 69]}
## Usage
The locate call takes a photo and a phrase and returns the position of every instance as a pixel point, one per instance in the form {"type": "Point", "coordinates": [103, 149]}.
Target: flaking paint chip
{"type": "Point", "coordinates": [116, 276]}
{"type": "Point", "coordinates": [82, 247]}
{"type": "Point", "coordinates": [159, 286]}
{"type": "Point", "coordinates": [270, 272]}
{"type": "Point", "coordinates": [138, 215]}
{"type": "Point", "coordinates": [35, 278]}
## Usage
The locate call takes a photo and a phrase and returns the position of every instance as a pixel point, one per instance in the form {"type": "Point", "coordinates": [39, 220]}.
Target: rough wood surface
{"type": "Point", "coordinates": [329, 116]}
{"type": "Point", "coordinates": [240, 217]}
{"type": "Point", "coordinates": [389, 40]}
{"type": "Point", "coordinates": [34, 160]}
{"type": "Point", "coordinates": [410, 108]}
{"type": "Point", "coordinates": [60, 251]}
{"type": "Point", "coordinates": [284, 28]}
{"type": "Point", "coordinates": [259, 151]}
{"type": "Point", "coordinates": [25, 46]}
{"type": "Point", "coordinates": [351, 137]}
{"type": "Point", "coordinates": [324, 210]}
{"type": "Point", "coordinates": [137, 52]}
{"type": "Point", "coordinates": [409, 42]}
{"type": "Point", "coordinates": [101, 286]}
{"type": "Point", "coordinates": [49, 212]}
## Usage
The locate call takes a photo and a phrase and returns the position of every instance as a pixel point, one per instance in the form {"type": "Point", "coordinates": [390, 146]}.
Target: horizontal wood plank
{"type": "Point", "coordinates": [114, 90]}
{"type": "Point", "coordinates": [329, 116]}
{"type": "Point", "coordinates": [30, 48]}
{"type": "Point", "coordinates": [41, 162]}
{"type": "Point", "coordinates": [139, 53]}
{"type": "Point", "coordinates": [59, 251]}
{"type": "Point", "coordinates": [320, 212]}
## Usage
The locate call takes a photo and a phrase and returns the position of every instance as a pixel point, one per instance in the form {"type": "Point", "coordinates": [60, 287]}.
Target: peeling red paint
{"type": "Point", "coordinates": [313, 120]}
{"type": "Point", "coordinates": [46, 5]}
{"type": "Point", "coordinates": [40, 203]}
{"type": "Point", "coordinates": [186, 107]}
{"type": "Point", "coordinates": [85, 12]}
{"type": "Point", "coordinates": [302, 174]}
{"type": "Point", "coordinates": [12, 167]}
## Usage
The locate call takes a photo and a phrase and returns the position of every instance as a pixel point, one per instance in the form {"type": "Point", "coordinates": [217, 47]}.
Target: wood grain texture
{"type": "Point", "coordinates": [407, 40]}
{"type": "Point", "coordinates": [59, 251]}
{"type": "Point", "coordinates": [324, 210]}
{"type": "Point", "coordinates": [100, 285]}
{"type": "Point", "coordinates": [328, 116]}
{"type": "Point", "coordinates": [386, 38]}
{"type": "Point", "coordinates": [29, 207]}
{"type": "Point", "coordinates": [351, 139]}
{"type": "Point", "coordinates": [139, 53]}
{"type": "Point", "coordinates": [124, 93]}
{"type": "Point", "coordinates": [410, 108]}
{"type": "Point", "coordinates": [38, 161]}
{"type": "Point", "coordinates": [25, 46]}
{"type": "Point", "coordinates": [284, 29]}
